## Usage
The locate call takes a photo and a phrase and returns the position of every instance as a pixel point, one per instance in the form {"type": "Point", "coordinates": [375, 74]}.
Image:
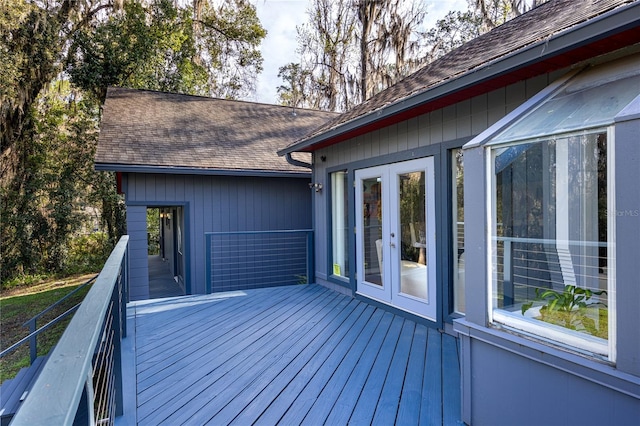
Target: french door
{"type": "Point", "coordinates": [395, 235]}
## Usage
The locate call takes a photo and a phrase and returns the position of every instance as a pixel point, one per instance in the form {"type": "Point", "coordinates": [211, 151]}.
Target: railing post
{"type": "Point", "coordinates": [310, 257]}
{"type": "Point", "coordinates": [208, 279]}
{"type": "Point", "coordinates": [124, 291]}
{"type": "Point", "coordinates": [117, 342]}
{"type": "Point", "coordinates": [33, 341]}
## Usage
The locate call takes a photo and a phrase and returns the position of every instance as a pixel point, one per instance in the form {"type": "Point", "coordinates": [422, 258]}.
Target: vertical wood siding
{"type": "Point", "coordinates": [213, 203]}
{"type": "Point", "coordinates": [138, 265]}
{"type": "Point", "coordinates": [464, 119]}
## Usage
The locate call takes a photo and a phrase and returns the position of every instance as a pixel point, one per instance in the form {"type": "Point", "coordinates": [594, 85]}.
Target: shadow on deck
{"type": "Point", "coordinates": [161, 281]}
{"type": "Point", "coordinates": [289, 355]}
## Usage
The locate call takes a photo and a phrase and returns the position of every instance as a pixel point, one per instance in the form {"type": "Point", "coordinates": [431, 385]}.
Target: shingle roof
{"type": "Point", "coordinates": [535, 26]}
{"type": "Point", "coordinates": [146, 128]}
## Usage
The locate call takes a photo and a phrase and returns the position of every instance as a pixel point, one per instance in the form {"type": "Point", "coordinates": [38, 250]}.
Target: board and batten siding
{"type": "Point", "coordinates": [211, 204]}
{"type": "Point", "coordinates": [455, 122]}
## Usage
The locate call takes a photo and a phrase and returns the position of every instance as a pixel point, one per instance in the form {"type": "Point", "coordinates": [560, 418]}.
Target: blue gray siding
{"type": "Point", "coordinates": [509, 379]}
{"type": "Point", "coordinates": [460, 122]}
{"type": "Point", "coordinates": [139, 267]}
{"type": "Point", "coordinates": [211, 203]}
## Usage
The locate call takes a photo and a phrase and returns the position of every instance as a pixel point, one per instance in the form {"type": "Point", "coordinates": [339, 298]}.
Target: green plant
{"type": "Point", "coordinates": [573, 309]}
{"type": "Point", "coordinates": [302, 279]}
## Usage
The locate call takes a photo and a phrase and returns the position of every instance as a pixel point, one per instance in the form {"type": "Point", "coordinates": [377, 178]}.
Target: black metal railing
{"type": "Point", "coordinates": [34, 331]}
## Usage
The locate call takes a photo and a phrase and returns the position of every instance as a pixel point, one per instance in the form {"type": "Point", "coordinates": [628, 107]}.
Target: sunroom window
{"type": "Point", "coordinates": [552, 215]}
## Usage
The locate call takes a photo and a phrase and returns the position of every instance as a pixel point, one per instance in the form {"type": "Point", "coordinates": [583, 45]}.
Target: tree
{"type": "Point", "coordinates": [326, 46]}
{"type": "Point", "coordinates": [388, 42]}
{"type": "Point", "coordinates": [496, 12]}
{"type": "Point", "coordinates": [298, 84]}
{"type": "Point", "coordinates": [352, 49]}
{"type": "Point", "coordinates": [450, 32]}
{"type": "Point", "coordinates": [50, 127]}
{"type": "Point", "coordinates": [161, 47]}
{"type": "Point", "coordinates": [41, 206]}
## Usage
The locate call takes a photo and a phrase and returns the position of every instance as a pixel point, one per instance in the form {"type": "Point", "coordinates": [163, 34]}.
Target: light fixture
{"type": "Point", "coordinates": [316, 186]}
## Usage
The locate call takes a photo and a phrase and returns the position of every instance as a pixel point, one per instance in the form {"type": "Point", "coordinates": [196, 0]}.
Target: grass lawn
{"type": "Point", "coordinates": [19, 304]}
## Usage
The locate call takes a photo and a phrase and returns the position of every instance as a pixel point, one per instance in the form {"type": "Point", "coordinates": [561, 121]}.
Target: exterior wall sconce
{"type": "Point", "coordinates": [316, 186]}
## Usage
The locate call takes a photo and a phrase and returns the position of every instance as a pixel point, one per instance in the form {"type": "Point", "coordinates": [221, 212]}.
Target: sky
{"type": "Point", "coordinates": [280, 17]}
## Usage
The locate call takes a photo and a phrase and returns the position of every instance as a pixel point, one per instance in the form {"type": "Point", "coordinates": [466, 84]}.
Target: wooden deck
{"type": "Point", "coordinates": [288, 355]}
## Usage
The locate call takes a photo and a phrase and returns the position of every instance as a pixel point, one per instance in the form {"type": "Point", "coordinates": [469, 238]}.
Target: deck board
{"type": "Point", "coordinates": [387, 406]}
{"type": "Point", "coordinates": [412, 388]}
{"type": "Point", "coordinates": [431, 404]}
{"type": "Point", "coordinates": [308, 351]}
{"type": "Point", "coordinates": [290, 355]}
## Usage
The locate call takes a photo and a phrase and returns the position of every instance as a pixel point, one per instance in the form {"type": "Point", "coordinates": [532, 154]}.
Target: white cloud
{"type": "Point", "coordinates": [280, 17]}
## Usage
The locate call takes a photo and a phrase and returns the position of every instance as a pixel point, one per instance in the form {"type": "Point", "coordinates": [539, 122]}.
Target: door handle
{"type": "Point", "coordinates": [392, 245]}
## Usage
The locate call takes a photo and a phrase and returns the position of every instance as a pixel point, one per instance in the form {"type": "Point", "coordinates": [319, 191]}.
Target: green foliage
{"type": "Point", "coordinates": [23, 281]}
{"type": "Point", "coordinates": [87, 253]}
{"type": "Point", "coordinates": [40, 204]}
{"type": "Point", "coordinates": [150, 48]}
{"type": "Point", "coordinates": [16, 310]}
{"type": "Point", "coordinates": [573, 309]}
{"type": "Point", "coordinates": [297, 84]}
{"type": "Point", "coordinates": [50, 124]}
{"type": "Point", "coordinates": [161, 47]}
{"type": "Point", "coordinates": [228, 39]}
{"type": "Point", "coordinates": [153, 231]}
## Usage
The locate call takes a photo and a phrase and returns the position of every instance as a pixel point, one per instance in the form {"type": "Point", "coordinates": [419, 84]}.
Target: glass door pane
{"type": "Point", "coordinates": [372, 243]}
{"type": "Point", "coordinates": [372, 229]}
{"type": "Point", "coordinates": [413, 243]}
{"type": "Point", "coordinates": [412, 234]}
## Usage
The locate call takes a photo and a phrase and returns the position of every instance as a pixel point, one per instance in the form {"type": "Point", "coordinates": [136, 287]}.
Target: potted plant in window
{"type": "Point", "coordinates": [572, 308]}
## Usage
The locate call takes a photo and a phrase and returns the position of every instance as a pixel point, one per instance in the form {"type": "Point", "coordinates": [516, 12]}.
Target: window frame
{"type": "Point", "coordinates": [551, 334]}
{"type": "Point", "coordinates": [342, 279]}
{"type": "Point", "coordinates": [458, 284]}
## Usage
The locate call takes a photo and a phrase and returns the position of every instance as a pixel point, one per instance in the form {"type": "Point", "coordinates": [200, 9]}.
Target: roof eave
{"type": "Point", "coordinates": [607, 25]}
{"type": "Point", "coordinates": [134, 168]}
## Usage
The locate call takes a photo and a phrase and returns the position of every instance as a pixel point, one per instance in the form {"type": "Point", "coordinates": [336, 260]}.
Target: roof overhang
{"type": "Point", "coordinates": [132, 168]}
{"type": "Point", "coordinates": [606, 33]}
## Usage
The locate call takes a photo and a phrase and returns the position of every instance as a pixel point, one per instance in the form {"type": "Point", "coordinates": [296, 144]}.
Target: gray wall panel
{"type": "Point", "coordinates": [627, 175]}
{"type": "Point", "coordinates": [508, 389]}
{"type": "Point", "coordinates": [215, 203]}
{"type": "Point", "coordinates": [456, 121]}
{"type": "Point", "coordinates": [138, 265]}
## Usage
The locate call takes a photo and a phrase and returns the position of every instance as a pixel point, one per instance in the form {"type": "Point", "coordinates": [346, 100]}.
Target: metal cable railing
{"type": "Point", "coordinates": [81, 383]}
{"type": "Point", "coordinates": [257, 259]}
{"type": "Point", "coordinates": [526, 264]}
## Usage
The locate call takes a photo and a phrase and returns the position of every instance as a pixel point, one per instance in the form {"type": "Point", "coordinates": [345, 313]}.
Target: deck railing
{"type": "Point", "coordinates": [255, 259]}
{"type": "Point", "coordinates": [527, 264]}
{"type": "Point", "coordinates": [81, 382]}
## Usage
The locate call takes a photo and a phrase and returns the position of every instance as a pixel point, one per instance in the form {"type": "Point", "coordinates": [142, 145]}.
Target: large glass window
{"type": "Point", "coordinates": [340, 224]}
{"type": "Point", "coordinates": [552, 212]}
{"type": "Point", "coordinates": [457, 209]}
{"type": "Point", "coordinates": [550, 235]}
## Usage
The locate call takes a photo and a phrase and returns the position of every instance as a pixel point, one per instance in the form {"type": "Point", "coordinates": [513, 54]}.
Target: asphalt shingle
{"type": "Point", "coordinates": [147, 128]}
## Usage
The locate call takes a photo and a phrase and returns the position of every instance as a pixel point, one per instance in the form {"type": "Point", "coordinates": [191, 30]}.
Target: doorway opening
{"type": "Point", "coordinates": [165, 243]}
